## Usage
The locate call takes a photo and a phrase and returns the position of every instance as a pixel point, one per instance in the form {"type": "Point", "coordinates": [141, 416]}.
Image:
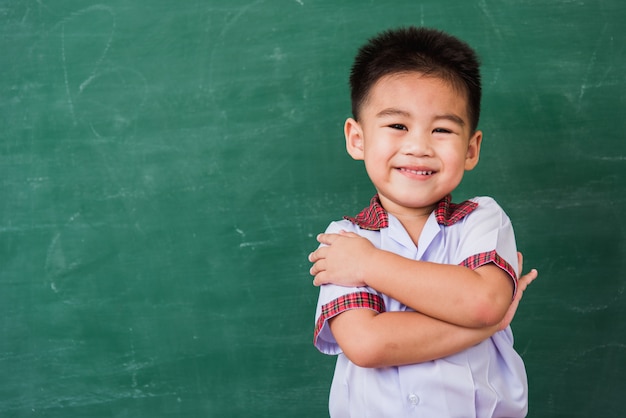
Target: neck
{"type": "Point", "coordinates": [413, 219]}
{"type": "Point", "coordinates": [414, 224]}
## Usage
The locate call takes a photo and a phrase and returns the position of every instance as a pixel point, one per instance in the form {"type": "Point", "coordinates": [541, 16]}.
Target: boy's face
{"type": "Point", "coordinates": [415, 139]}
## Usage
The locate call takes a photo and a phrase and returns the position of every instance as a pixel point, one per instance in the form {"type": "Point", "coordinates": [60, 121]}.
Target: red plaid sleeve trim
{"type": "Point", "coordinates": [481, 259]}
{"type": "Point", "coordinates": [344, 303]}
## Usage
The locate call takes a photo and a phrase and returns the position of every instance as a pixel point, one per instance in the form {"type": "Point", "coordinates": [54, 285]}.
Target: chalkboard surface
{"type": "Point", "coordinates": [165, 166]}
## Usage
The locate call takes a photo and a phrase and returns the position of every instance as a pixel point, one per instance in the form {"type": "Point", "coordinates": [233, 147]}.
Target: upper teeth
{"type": "Point", "coordinates": [421, 172]}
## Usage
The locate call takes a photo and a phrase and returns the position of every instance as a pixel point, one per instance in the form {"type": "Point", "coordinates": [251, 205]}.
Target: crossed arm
{"type": "Point", "coordinates": [455, 307]}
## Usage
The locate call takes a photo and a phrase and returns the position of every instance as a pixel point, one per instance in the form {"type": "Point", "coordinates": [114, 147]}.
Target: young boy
{"type": "Point", "coordinates": [416, 292]}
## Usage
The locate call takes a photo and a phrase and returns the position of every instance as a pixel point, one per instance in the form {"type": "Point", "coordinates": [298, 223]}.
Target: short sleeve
{"type": "Point", "coordinates": [334, 300]}
{"type": "Point", "coordinates": [488, 237]}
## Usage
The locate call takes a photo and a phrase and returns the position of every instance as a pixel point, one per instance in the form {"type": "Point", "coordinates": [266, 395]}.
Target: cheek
{"type": "Point", "coordinates": [376, 162]}
{"type": "Point", "coordinates": [381, 148]}
{"type": "Point", "coordinates": [374, 153]}
{"type": "Point", "coordinates": [456, 161]}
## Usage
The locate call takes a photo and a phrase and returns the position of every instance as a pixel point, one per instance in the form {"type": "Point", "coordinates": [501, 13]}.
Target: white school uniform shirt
{"type": "Point", "coordinates": [487, 380]}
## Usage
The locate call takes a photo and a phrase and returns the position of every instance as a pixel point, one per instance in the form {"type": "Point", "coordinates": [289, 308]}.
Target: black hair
{"type": "Point", "coordinates": [423, 50]}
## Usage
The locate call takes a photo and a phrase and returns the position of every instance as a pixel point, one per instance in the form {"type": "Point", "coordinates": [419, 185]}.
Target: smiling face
{"type": "Point", "coordinates": [414, 137]}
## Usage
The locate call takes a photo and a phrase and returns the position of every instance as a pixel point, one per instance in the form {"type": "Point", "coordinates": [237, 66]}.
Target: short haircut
{"type": "Point", "coordinates": [423, 50]}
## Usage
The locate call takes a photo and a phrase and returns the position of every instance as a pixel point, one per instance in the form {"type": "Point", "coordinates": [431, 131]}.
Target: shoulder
{"type": "Point", "coordinates": [450, 214]}
{"type": "Point", "coordinates": [341, 225]}
{"type": "Point", "coordinates": [485, 201]}
{"type": "Point", "coordinates": [479, 214]}
{"type": "Point", "coordinates": [374, 236]}
{"type": "Point", "coordinates": [487, 206]}
{"type": "Point", "coordinates": [346, 225]}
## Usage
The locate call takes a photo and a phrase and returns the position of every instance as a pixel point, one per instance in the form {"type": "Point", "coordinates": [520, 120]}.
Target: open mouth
{"type": "Point", "coordinates": [418, 172]}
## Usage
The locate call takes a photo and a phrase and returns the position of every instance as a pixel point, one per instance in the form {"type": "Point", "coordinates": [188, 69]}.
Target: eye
{"type": "Point", "coordinates": [398, 126]}
{"type": "Point", "coordinates": [442, 131]}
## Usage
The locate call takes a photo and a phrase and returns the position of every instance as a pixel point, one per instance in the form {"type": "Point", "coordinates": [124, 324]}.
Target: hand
{"type": "Point", "coordinates": [342, 260]}
{"type": "Point", "coordinates": [522, 283]}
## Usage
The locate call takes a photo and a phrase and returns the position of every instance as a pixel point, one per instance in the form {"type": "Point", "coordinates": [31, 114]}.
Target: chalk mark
{"type": "Point", "coordinates": [600, 45]}
{"type": "Point", "coordinates": [222, 35]}
{"type": "Point", "coordinates": [65, 77]}
{"type": "Point", "coordinates": [97, 65]}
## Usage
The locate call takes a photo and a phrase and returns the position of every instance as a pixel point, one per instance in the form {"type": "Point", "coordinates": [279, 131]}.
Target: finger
{"type": "Point", "coordinates": [318, 280]}
{"type": "Point", "coordinates": [520, 262]}
{"type": "Point", "coordinates": [345, 233]}
{"type": "Point", "coordinates": [317, 255]}
{"type": "Point", "coordinates": [529, 277]}
{"type": "Point", "coordinates": [327, 239]}
{"type": "Point", "coordinates": [317, 267]}
{"type": "Point", "coordinates": [525, 280]}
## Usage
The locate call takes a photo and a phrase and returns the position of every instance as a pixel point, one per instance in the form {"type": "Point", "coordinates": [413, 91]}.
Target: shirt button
{"type": "Point", "coordinates": [414, 399]}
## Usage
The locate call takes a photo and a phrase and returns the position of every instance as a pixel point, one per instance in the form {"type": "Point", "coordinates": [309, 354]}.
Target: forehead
{"type": "Point", "coordinates": [415, 88]}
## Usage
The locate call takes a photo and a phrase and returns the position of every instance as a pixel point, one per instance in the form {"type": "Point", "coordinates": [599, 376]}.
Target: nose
{"type": "Point", "coordinates": [418, 144]}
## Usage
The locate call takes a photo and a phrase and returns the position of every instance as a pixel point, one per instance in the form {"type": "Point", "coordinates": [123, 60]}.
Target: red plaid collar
{"type": "Point", "coordinates": [375, 217]}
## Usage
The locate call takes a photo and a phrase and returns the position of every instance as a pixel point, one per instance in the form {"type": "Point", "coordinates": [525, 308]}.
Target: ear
{"type": "Point", "coordinates": [354, 139]}
{"type": "Point", "coordinates": [473, 150]}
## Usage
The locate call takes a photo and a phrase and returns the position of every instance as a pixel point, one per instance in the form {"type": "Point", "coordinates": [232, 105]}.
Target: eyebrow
{"type": "Point", "coordinates": [392, 111]}
{"type": "Point", "coordinates": [451, 117]}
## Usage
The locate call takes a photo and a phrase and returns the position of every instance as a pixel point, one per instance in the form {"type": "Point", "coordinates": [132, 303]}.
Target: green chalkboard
{"type": "Point", "coordinates": [165, 166]}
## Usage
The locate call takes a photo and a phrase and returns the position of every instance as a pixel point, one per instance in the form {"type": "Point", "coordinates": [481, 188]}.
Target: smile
{"type": "Point", "coordinates": [418, 172]}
